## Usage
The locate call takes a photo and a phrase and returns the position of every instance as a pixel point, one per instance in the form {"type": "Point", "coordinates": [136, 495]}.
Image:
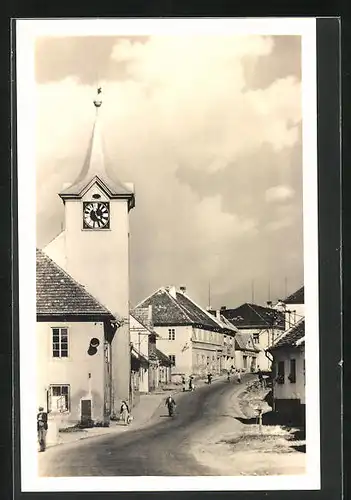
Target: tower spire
{"type": "Point", "coordinates": [95, 167]}
{"type": "Point", "coordinates": [98, 99]}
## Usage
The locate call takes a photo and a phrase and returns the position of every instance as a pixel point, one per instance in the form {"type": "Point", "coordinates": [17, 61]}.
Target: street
{"type": "Point", "coordinates": [160, 449]}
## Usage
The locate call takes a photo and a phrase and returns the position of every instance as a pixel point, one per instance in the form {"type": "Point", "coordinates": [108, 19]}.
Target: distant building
{"type": "Point", "coordinates": [74, 337]}
{"type": "Point", "coordinates": [190, 336]}
{"type": "Point", "coordinates": [229, 331]}
{"type": "Point", "coordinates": [154, 367]}
{"type": "Point", "coordinates": [289, 373]}
{"type": "Point", "coordinates": [293, 307]}
{"type": "Point", "coordinates": [246, 352]}
{"type": "Point", "coordinates": [263, 323]}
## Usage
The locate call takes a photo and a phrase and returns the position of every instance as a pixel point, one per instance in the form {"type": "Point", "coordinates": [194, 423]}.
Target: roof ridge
{"type": "Point", "coordinates": [290, 329]}
{"type": "Point", "coordinates": [178, 305]}
{"type": "Point", "coordinates": [212, 317]}
{"type": "Point", "coordinates": [161, 288]}
{"type": "Point", "coordinates": [82, 288]}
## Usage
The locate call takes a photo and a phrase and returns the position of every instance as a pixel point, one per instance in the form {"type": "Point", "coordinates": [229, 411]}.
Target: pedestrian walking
{"type": "Point", "coordinates": [209, 378]}
{"type": "Point", "coordinates": [260, 376]}
{"type": "Point", "coordinates": [228, 375]}
{"type": "Point", "coordinates": [238, 376]}
{"type": "Point", "coordinates": [42, 428]}
{"type": "Point", "coordinates": [124, 412]}
{"type": "Point", "coordinates": [191, 383]}
{"type": "Point", "coordinates": [184, 383]}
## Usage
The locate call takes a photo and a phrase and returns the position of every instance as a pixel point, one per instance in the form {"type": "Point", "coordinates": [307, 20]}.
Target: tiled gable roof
{"type": "Point", "coordinates": [59, 295]}
{"type": "Point", "coordinates": [225, 323]}
{"type": "Point", "coordinates": [293, 336]}
{"type": "Point", "coordinates": [297, 297]}
{"type": "Point", "coordinates": [141, 314]}
{"type": "Point", "coordinates": [254, 316]}
{"type": "Point", "coordinates": [178, 310]}
{"type": "Point", "coordinates": [242, 341]}
{"type": "Point", "coordinates": [163, 359]}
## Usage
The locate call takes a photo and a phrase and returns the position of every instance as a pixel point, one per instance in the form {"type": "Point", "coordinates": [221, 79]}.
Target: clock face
{"type": "Point", "coordinates": [96, 215]}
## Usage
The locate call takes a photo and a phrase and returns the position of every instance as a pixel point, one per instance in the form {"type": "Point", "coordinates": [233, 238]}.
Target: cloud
{"type": "Point", "coordinates": [279, 194]}
{"type": "Point", "coordinates": [182, 105]}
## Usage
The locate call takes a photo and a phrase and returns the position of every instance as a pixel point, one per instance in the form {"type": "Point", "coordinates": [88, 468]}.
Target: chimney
{"type": "Point", "coordinates": [182, 288]}
{"type": "Point", "coordinates": [218, 314]}
{"type": "Point", "coordinates": [149, 315]}
{"type": "Point", "coordinates": [172, 291]}
{"type": "Point", "coordinates": [223, 308]}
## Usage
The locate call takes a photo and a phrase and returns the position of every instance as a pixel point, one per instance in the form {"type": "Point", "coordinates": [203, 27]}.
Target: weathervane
{"type": "Point", "coordinates": [98, 101]}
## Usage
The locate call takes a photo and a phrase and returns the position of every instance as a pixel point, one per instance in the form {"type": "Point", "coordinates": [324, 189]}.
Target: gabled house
{"type": "Point", "coordinates": [229, 331]}
{"type": "Point", "coordinates": [189, 335]}
{"type": "Point", "coordinates": [289, 373]}
{"type": "Point", "coordinates": [246, 352]}
{"type": "Point", "coordinates": [155, 367]}
{"type": "Point", "coordinates": [74, 332]}
{"type": "Point", "coordinates": [263, 323]}
{"type": "Point", "coordinates": [293, 307]}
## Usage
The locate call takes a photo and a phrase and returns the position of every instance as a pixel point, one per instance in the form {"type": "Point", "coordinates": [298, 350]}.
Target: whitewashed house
{"type": "Point", "coordinates": [151, 367]}
{"type": "Point", "coordinates": [293, 307]}
{"type": "Point", "coordinates": [289, 373]}
{"type": "Point", "coordinates": [74, 336]}
{"type": "Point", "coordinates": [263, 324]}
{"type": "Point", "coordinates": [229, 331]}
{"type": "Point", "coordinates": [246, 352]}
{"type": "Point", "coordinates": [188, 334]}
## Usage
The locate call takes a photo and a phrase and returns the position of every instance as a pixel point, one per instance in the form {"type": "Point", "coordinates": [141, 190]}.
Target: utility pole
{"type": "Point", "coordinates": [252, 291]}
{"type": "Point", "coordinates": [269, 290]}
{"type": "Point", "coordinates": [209, 295]}
{"type": "Point", "coordinates": [285, 287]}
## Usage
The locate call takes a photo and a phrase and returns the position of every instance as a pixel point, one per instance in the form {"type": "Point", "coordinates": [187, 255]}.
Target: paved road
{"type": "Point", "coordinates": [161, 449]}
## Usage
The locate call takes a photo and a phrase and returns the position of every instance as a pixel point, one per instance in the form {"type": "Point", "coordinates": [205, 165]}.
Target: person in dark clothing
{"type": "Point", "coordinates": [260, 376]}
{"type": "Point", "coordinates": [42, 427]}
{"type": "Point", "coordinates": [191, 383]}
{"type": "Point", "coordinates": [170, 403]}
{"type": "Point", "coordinates": [209, 378]}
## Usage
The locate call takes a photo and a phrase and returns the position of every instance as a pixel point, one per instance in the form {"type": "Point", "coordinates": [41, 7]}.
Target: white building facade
{"type": "Point", "coordinates": [187, 333]}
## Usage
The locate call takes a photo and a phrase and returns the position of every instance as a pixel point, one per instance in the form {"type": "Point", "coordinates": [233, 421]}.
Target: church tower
{"type": "Point", "coordinates": [96, 245]}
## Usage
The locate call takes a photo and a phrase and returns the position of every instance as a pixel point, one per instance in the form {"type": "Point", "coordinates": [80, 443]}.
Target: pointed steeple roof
{"type": "Point", "coordinates": [96, 169]}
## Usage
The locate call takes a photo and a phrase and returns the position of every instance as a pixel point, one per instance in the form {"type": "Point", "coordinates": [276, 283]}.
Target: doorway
{"type": "Point", "coordinates": [85, 411]}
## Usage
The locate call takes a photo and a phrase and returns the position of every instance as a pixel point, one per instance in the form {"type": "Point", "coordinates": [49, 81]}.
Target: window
{"type": "Point", "coordinates": [256, 338]}
{"type": "Point", "coordinates": [172, 359]}
{"type": "Point", "coordinates": [171, 333]}
{"type": "Point", "coordinates": [281, 372]}
{"type": "Point", "coordinates": [60, 342]}
{"type": "Point", "coordinates": [304, 372]}
{"type": "Point", "coordinates": [59, 398]}
{"type": "Point", "coordinates": [292, 374]}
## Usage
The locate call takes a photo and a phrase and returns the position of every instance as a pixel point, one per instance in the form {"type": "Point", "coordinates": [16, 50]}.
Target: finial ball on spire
{"type": "Point", "coordinates": [98, 102]}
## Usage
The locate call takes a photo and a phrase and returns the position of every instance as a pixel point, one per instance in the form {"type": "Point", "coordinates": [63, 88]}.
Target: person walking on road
{"type": "Point", "coordinates": [209, 378]}
{"type": "Point", "coordinates": [260, 376]}
{"type": "Point", "coordinates": [124, 412]}
{"type": "Point", "coordinates": [171, 404]}
{"type": "Point", "coordinates": [238, 376]}
{"type": "Point", "coordinates": [191, 383]}
{"type": "Point", "coordinates": [184, 383]}
{"type": "Point", "coordinates": [42, 428]}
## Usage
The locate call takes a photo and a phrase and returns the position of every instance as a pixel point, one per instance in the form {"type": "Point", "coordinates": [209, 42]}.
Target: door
{"type": "Point", "coordinates": [85, 410]}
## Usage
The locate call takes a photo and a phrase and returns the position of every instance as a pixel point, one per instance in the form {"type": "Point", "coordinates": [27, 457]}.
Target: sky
{"type": "Point", "coordinates": [209, 131]}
